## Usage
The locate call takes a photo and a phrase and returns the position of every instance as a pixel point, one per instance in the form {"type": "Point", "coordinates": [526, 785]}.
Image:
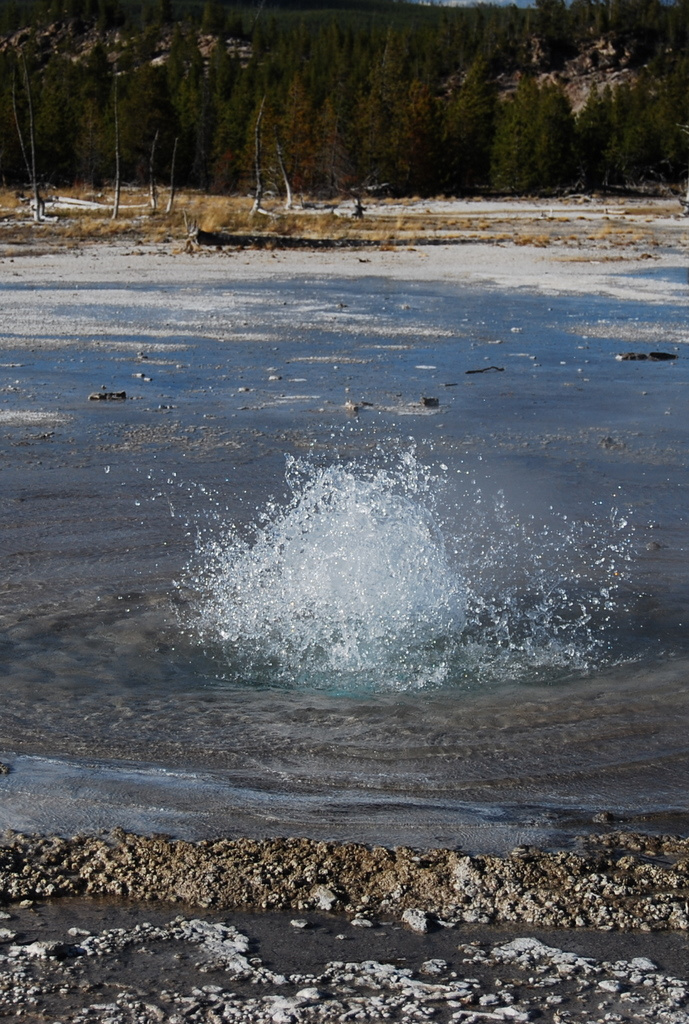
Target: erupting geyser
{"type": "Point", "coordinates": [349, 581]}
{"type": "Point", "coordinates": [351, 585]}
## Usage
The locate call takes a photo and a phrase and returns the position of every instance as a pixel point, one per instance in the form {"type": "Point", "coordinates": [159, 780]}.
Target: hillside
{"type": "Point", "coordinates": [389, 97]}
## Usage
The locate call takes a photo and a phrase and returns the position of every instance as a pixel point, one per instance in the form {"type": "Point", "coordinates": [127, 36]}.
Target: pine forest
{"type": "Point", "coordinates": [395, 98]}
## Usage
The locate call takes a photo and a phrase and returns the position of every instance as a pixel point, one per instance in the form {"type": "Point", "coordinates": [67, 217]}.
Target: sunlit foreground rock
{"type": "Point", "coordinates": [618, 881]}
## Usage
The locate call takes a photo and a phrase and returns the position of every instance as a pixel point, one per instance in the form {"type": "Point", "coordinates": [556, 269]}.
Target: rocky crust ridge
{"type": "Point", "coordinates": [616, 881]}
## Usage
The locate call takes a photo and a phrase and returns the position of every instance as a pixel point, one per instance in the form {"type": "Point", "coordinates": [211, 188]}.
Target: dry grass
{"type": "Point", "coordinates": [538, 240]}
{"type": "Point", "coordinates": [386, 222]}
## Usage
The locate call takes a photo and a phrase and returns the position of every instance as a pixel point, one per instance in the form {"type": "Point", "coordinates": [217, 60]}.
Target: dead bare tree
{"type": "Point", "coordinates": [171, 199]}
{"type": "Point", "coordinates": [19, 130]}
{"type": "Point", "coordinates": [258, 9]}
{"type": "Point", "coordinates": [118, 179]}
{"type": "Point", "coordinates": [359, 207]}
{"type": "Point", "coordinates": [685, 202]}
{"type": "Point", "coordinates": [258, 195]}
{"type": "Point", "coordinates": [152, 190]}
{"type": "Point", "coordinates": [30, 167]}
{"type": "Point", "coordinates": [283, 171]}
{"type": "Point", "coordinates": [191, 229]}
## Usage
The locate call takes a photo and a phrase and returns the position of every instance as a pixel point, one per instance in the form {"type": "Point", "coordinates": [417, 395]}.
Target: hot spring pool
{"type": "Point", "coordinates": [283, 590]}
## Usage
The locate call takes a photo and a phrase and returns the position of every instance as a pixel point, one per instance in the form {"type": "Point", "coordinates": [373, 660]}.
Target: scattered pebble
{"type": "Point", "coordinates": [100, 980]}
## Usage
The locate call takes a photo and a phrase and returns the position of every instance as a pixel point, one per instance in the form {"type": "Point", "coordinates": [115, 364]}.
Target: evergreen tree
{"type": "Point", "coordinates": [533, 143]}
{"type": "Point", "coordinates": [299, 134]}
{"type": "Point", "coordinates": [146, 114]}
{"type": "Point", "coordinates": [420, 142]}
{"type": "Point", "coordinates": [469, 126]}
{"type": "Point", "coordinates": [594, 126]}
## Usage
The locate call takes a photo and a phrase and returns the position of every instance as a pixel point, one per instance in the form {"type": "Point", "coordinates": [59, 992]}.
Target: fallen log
{"type": "Point", "coordinates": [219, 239]}
{"type": "Point", "coordinates": [222, 238]}
{"type": "Point", "coordinates": [653, 357]}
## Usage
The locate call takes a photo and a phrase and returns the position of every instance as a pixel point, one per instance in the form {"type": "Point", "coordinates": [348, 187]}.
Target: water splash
{"type": "Point", "coordinates": [352, 584]}
{"type": "Point", "coordinates": [348, 581]}
{"type": "Point", "coordinates": [546, 597]}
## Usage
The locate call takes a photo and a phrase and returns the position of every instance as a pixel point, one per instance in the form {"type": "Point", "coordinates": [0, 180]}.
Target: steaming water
{"type": "Point", "coordinates": [460, 624]}
{"type": "Point", "coordinates": [351, 585]}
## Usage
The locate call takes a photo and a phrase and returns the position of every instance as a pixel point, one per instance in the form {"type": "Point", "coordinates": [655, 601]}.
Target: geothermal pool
{"type": "Point", "coordinates": [380, 560]}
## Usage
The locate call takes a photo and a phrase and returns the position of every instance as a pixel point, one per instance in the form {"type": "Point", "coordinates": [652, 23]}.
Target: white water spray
{"type": "Point", "coordinates": [350, 580]}
{"type": "Point", "coordinates": [350, 586]}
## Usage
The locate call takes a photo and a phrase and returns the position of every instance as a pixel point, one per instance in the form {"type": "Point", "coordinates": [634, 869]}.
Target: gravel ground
{"type": "Point", "coordinates": [98, 961]}
{"type": "Point", "coordinates": [363, 934]}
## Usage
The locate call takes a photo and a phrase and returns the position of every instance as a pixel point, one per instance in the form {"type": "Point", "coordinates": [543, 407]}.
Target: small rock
{"type": "Point", "coordinates": [41, 950]}
{"type": "Point", "coordinates": [361, 922]}
{"type": "Point", "coordinates": [299, 922]}
{"type": "Point", "coordinates": [107, 396]}
{"type": "Point", "coordinates": [325, 897]}
{"type": "Point", "coordinates": [4, 769]}
{"type": "Point", "coordinates": [611, 444]}
{"type": "Point", "coordinates": [603, 818]}
{"type": "Point", "coordinates": [642, 963]}
{"type": "Point", "coordinates": [308, 995]}
{"type": "Point", "coordinates": [609, 985]}
{"type": "Point", "coordinates": [433, 967]}
{"type": "Point", "coordinates": [416, 919]}
{"type": "Point", "coordinates": [430, 403]}
{"type": "Point", "coordinates": [6, 935]}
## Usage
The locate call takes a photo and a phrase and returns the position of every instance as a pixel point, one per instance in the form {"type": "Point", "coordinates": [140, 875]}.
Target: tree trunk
{"type": "Point", "coordinates": [37, 201]}
{"type": "Point", "coordinates": [258, 196]}
{"type": "Point", "coordinates": [19, 129]}
{"type": "Point", "coordinates": [118, 181]}
{"type": "Point", "coordinates": [283, 171]}
{"type": "Point", "coordinates": [171, 200]}
{"type": "Point", "coordinates": [153, 193]}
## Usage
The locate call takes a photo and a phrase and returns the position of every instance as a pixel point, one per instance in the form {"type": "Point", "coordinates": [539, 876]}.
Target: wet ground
{"type": "Point", "coordinates": [86, 961]}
